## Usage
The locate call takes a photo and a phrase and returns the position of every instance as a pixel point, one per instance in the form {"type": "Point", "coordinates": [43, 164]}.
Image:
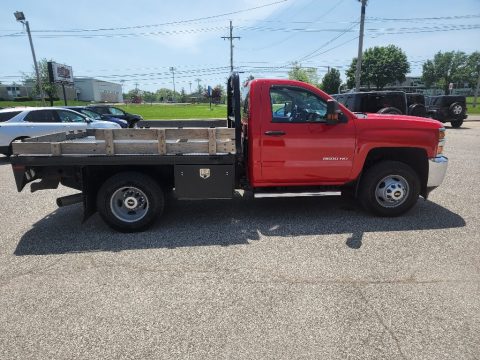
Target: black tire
{"type": "Point", "coordinates": [136, 189]}
{"type": "Point", "coordinates": [389, 188]}
{"type": "Point", "coordinates": [456, 110]}
{"type": "Point", "coordinates": [456, 123]}
{"type": "Point", "coordinates": [389, 110]}
{"type": "Point", "coordinates": [417, 110]}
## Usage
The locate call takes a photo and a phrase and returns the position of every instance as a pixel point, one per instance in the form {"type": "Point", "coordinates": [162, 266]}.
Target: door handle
{"type": "Point", "coordinates": [274, 133]}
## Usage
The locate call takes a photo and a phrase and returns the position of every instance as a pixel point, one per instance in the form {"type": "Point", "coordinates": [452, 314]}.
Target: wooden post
{"type": "Point", "coordinates": [162, 144]}
{"type": "Point", "coordinates": [56, 148]}
{"type": "Point", "coordinates": [109, 145]}
{"type": "Point", "coordinates": [212, 141]}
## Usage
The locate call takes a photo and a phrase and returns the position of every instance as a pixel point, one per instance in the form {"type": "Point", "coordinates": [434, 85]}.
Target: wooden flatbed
{"type": "Point", "coordinates": [113, 142]}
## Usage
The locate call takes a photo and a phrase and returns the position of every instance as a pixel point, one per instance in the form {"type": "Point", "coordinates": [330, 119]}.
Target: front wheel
{"type": "Point", "coordinates": [130, 201]}
{"type": "Point", "coordinates": [389, 188]}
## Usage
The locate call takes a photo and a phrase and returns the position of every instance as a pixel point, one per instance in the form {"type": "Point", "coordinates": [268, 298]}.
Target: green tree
{"type": "Point", "coordinates": [381, 65]}
{"type": "Point", "coordinates": [331, 81]}
{"type": "Point", "coordinates": [217, 93]}
{"type": "Point", "coordinates": [445, 68]}
{"type": "Point", "coordinates": [49, 89]}
{"type": "Point", "coordinates": [305, 74]}
{"type": "Point", "coordinates": [165, 94]}
{"type": "Point", "coordinates": [149, 96]}
{"type": "Point", "coordinates": [183, 96]}
{"type": "Point", "coordinates": [472, 69]}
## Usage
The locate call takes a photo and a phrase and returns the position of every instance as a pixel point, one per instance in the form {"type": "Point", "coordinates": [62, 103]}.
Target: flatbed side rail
{"type": "Point", "coordinates": [112, 142]}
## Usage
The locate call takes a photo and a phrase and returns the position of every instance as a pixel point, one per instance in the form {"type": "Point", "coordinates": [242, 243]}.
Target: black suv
{"type": "Point", "coordinates": [448, 108]}
{"type": "Point", "coordinates": [382, 102]}
{"type": "Point", "coordinates": [112, 111]}
{"type": "Point", "coordinates": [416, 105]}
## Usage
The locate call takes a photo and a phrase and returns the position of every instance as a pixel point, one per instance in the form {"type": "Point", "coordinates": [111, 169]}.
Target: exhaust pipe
{"type": "Point", "coordinates": [70, 200]}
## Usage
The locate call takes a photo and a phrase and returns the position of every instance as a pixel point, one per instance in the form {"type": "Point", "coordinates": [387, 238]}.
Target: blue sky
{"type": "Point", "coordinates": [186, 34]}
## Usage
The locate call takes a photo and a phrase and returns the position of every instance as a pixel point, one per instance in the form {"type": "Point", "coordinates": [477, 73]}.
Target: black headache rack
{"type": "Point", "coordinates": [234, 116]}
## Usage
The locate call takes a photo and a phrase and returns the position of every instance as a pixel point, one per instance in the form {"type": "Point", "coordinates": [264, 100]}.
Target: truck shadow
{"type": "Point", "coordinates": [227, 223]}
{"type": "Point", "coordinates": [4, 160]}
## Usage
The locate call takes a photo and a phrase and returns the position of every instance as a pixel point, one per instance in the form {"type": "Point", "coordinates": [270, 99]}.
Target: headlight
{"type": "Point", "coordinates": [441, 140]}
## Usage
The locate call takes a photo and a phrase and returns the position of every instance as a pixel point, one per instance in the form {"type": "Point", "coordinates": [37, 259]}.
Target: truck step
{"type": "Point", "coordinates": [296, 194]}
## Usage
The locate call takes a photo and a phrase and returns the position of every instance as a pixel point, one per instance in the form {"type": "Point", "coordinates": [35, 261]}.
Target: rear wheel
{"type": "Point", "coordinates": [456, 123]}
{"type": "Point", "coordinates": [389, 188]}
{"type": "Point", "coordinates": [130, 201]}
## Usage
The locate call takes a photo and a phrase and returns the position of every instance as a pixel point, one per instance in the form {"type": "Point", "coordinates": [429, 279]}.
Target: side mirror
{"type": "Point", "coordinates": [333, 112]}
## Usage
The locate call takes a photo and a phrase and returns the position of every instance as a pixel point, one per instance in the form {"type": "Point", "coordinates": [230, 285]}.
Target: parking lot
{"type": "Point", "coordinates": [313, 278]}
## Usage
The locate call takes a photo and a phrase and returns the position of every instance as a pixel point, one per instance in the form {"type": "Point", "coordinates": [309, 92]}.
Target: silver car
{"type": "Point", "coordinates": [21, 123]}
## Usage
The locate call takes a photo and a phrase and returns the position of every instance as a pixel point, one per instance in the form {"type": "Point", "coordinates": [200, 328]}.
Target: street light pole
{"type": "Point", "coordinates": [19, 16]}
{"type": "Point", "coordinates": [360, 47]}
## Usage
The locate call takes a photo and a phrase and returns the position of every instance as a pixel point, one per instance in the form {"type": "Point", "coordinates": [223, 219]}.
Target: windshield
{"type": "Point", "coordinates": [91, 114]}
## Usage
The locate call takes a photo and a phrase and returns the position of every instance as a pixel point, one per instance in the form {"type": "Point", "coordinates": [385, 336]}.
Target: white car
{"type": "Point", "coordinates": [21, 123]}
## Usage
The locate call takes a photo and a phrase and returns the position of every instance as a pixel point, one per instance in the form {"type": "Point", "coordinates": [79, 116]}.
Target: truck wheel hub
{"type": "Point", "coordinates": [391, 191]}
{"type": "Point", "coordinates": [129, 204]}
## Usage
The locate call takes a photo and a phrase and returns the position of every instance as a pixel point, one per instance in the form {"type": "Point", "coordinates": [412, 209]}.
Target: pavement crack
{"type": "Point", "coordinates": [383, 323]}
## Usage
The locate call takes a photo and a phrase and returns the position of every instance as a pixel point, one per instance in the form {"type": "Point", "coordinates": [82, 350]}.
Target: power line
{"type": "Point", "coordinates": [171, 22]}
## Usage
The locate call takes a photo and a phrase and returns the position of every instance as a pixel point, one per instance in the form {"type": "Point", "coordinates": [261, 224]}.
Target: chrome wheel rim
{"type": "Point", "coordinates": [129, 204]}
{"type": "Point", "coordinates": [457, 109]}
{"type": "Point", "coordinates": [392, 191]}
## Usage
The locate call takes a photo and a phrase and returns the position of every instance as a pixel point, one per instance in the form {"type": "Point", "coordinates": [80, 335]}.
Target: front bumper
{"type": "Point", "coordinates": [437, 168]}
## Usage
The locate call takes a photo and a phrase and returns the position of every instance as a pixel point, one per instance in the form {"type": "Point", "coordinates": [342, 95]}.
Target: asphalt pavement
{"type": "Point", "coordinates": [313, 278]}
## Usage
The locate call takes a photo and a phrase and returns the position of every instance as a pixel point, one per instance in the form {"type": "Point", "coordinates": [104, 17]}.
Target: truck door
{"type": "Point", "coordinates": [297, 145]}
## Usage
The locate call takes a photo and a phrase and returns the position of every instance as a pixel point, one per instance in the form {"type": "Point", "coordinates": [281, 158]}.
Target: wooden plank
{"type": "Point", "coordinates": [170, 134]}
{"type": "Point", "coordinates": [31, 148]}
{"type": "Point", "coordinates": [142, 148]}
{"type": "Point", "coordinates": [187, 134]}
{"type": "Point", "coordinates": [128, 134]}
{"type": "Point", "coordinates": [81, 148]}
{"type": "Point", "coordinates": [225, 133]}
{"type": "Point", "coordinates": [162, 144]}
{"type": "Point", "coordinates": [56, 148]}
{"type": "Point", "coordinates": [109, 145]}
{"type": "Point", "coordinates": [187, 147]}
{"type": "Point", "coordinates": [212, 142]}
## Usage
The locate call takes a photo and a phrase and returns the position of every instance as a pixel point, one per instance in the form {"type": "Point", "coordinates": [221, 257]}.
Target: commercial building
{"type": "Point", "coordinates": [90, 89]}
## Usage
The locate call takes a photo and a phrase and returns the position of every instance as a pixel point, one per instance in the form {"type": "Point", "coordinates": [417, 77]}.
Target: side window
{"type": "Point", "coordinates": [69, 116]}
{"type": "Point", "coordinates": [8, 115]}
{"type": "Point", "coordinates": [296, 105]}
{"type": "Point", "coordinates": [41, 116]}
{"type": "Point", "coordinates": [115, 111]}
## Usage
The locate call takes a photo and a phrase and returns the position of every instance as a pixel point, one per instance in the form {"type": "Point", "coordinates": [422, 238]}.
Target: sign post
{"type": "Point", "coordinates": [210, 95]}
{"type": "Point", "coordinates": [60, 74]}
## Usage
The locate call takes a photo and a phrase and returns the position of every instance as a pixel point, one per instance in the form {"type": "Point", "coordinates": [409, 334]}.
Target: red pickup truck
{"type": "Point", "coordinates": [288, 138]}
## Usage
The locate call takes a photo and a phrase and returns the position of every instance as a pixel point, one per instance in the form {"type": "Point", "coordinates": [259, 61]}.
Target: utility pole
{"type": "Point", "coordinates": [172, 69]}
{"type": "Point", "coordinates": [19, 16]}
{"type": "Point", "coordinates": [360, 47]}
{"type": "Point", "coordinates": [198, 84]}
{"type": "Point", "coordinates": [190, 83]}
{"type": "Point", "coordinates": [231, 38]}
